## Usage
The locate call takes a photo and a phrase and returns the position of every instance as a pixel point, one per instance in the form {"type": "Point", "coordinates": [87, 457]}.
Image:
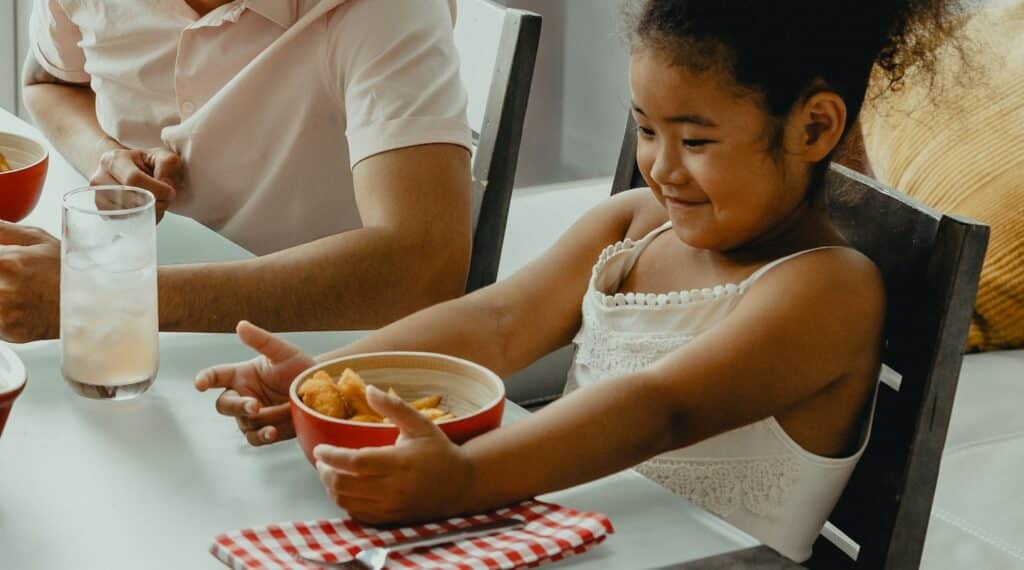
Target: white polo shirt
{"type": "Point", "coordinates": [269, 102]}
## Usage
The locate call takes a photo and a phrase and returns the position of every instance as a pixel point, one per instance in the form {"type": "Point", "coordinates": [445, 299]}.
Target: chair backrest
{"type": "Point", "coordinates": [497, 48]}
{"type": "Point", "coordinates": [930, 263]}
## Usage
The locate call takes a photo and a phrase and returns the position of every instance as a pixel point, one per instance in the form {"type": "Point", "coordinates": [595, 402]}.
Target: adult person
{"type": "Point", "coordinates": [328, 137]}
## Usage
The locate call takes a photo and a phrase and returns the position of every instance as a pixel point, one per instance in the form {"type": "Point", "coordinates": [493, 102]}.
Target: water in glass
{"type": "Point", "coordinates": [108, 294]}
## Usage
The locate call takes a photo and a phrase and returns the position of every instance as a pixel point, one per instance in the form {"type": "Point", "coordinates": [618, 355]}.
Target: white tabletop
{"type": "Point", "coordinates": [149, 483]}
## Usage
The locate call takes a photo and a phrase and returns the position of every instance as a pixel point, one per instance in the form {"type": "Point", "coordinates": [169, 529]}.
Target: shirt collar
{"type": "Point", "coordinates": [281, 12]}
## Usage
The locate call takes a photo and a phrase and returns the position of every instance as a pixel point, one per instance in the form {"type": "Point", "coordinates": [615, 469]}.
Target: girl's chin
{"type": "Point", "coordinates": [697, 234]}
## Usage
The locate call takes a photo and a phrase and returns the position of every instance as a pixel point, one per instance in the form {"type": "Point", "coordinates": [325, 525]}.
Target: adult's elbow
{"type": "Point", "coordinates": [30, 97]}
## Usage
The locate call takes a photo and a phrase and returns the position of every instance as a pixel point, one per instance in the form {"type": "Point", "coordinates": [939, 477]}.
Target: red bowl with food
{"type": "Point", "coordinates": [12, 382]}
{"type": "Point", "coordinates": [23, 165]}
{"type": "Point", "coordinates": [474, 395]}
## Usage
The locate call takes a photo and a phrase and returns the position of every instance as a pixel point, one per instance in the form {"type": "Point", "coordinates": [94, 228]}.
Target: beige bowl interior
{"type": "Point", "coordinates": [465, 388]}
{"type": "Point", "coordinates": [20, 152]}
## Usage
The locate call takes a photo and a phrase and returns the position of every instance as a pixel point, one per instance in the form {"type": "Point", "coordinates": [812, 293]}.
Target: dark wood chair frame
{"type": "Point", "coordinates": [931, 263]}
{"type": "Point", "coordinates": [497, 142]}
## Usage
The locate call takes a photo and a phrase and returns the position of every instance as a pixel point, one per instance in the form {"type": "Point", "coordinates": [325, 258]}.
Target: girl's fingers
{"type": "Point", "coordinates": [269, 434]}
{"type": "Point", "coordinates": [367, 461]}
{"type": "Point", "coordinates": [362, 510]}
{"type": "Point", "coordinates": [342, 484]}
{"type": "Point", "coordinates": [220, 376]}
{"type": "Point", "coordinates": [266, 416]}
{"type": "Point", "coordinates": [277, 432]}
{"type": "Point", "coordinates": [266, 434]}
{"type": "Point", "coordinates": [274, 348]}
{"type": "Point", "coordinates": [231, 403]}
{"type": "Point", "coordinates": [409, 421]}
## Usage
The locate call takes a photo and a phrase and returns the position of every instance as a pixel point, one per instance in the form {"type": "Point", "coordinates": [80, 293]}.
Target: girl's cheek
{"type": "Point", "coordinates": [645, 171]}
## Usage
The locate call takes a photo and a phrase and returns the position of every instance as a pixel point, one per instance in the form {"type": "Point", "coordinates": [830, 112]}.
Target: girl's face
{"type": "Point", "coordinates": [703, 150]}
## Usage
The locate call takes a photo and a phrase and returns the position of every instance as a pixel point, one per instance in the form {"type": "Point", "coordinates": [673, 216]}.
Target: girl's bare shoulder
{"type": "Point", "coordinates": [643, 211]}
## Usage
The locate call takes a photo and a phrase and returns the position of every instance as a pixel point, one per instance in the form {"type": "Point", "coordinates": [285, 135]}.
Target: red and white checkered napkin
{"type": "Point", "coordinates": [551, 533]}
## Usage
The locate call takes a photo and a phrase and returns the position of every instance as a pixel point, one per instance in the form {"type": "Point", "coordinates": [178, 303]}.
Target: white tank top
{"type": "Point", "coordinates": [754, 477]}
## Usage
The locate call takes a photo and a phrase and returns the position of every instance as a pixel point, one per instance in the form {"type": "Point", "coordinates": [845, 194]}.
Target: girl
{"type": "Point", "coordinates": [727, 340]}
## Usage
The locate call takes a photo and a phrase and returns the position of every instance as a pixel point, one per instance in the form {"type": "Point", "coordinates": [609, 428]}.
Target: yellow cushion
{"type": "Point", "coordinates": [959, 148]}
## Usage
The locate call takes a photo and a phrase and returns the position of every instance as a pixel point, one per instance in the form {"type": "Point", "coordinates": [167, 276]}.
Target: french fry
{"type": "Point", "coordinates": [367, 418]}
{"type": "Point", "coordinates": [4, 166]}
{"type": "Point", "coordinates": [432, 413]}
{"type": "Point", "coordinates": [426, 403]}
{"type": "Point", "coordinates": [448, 416]}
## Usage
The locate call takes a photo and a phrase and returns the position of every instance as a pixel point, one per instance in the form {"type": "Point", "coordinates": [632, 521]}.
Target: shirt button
{"type": "Point", "coordinates": [187, 108]}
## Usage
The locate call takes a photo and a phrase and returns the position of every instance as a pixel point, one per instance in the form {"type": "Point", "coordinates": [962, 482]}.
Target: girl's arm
{"type": "Point", "coordinates": [504, 327]}
{"type": "Point", "coordinates": [510, 324]}
{"type": "Point", "coordinates": [802, 327]}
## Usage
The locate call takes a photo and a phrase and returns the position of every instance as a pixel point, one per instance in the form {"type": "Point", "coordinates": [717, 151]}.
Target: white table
{"type": "Point", "coordinates": [149, 483]}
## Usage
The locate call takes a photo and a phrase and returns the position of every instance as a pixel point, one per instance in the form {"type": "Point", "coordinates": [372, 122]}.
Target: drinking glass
{"type": "Point", "coordinates": [108, 296]}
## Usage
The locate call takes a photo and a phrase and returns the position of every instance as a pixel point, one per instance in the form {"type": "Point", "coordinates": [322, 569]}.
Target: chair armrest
{"type": "Point", "coordinates": [542, 381]}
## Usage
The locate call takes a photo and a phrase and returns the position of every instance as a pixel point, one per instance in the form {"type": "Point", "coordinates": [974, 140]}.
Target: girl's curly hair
{"type": "Point", "coordinates": [784, 51]}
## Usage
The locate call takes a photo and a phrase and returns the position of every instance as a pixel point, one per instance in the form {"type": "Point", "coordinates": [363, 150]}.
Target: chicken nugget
{"type": "Point", "coordinates": [315, 382]}
{"type": "Point", "coordinates": [353, 390]}
{"type": "Point", "coordinates": [367, 418]}
{"type": "Point", "coordinates": [323, 396]}
{"type": "Point", "coordinates": [350, 376]}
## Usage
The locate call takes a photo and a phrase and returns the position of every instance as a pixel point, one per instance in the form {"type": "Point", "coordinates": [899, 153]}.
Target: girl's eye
{"type": "Point", "coordinates": [695, 143]}
{"type": "Point", "coordinates": [644, 131]}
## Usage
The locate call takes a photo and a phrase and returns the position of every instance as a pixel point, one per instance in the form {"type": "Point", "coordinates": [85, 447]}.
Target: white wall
{"type": "Point", "coordinates": [8, 43]}
{"type": "Point", "coordinates": [13, 46]}
{"type": "Point", "coordinates": [580, 93]}
{"type": "Point", "coordinates": [24, 9]}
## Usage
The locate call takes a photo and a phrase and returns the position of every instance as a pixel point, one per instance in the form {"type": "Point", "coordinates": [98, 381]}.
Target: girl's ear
{"type": "Point", "coordinates": [820, 122]}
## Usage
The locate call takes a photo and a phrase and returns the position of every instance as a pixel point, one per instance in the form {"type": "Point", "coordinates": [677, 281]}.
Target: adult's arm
{"type": "Point", "coordinates": [65, 111]}
{"type": "Point", "coordinates": [412, 251]}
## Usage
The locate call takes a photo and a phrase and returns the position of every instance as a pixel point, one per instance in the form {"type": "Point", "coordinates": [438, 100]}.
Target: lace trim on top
{"type": "Point", "coordinates": [655, 299]}
{"type": "Point", "coordinates": [759, 485]}
{"type": "Point", "coordinates": [608, 352]}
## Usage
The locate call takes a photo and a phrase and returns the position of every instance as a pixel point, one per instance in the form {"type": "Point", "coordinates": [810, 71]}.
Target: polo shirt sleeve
{"type": "Point", "coordinates": [54, 41]}
{"type": "Point", "coordinates": [393, 66]}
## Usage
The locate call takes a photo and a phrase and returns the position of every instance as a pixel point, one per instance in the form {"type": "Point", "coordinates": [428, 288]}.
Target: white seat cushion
{"type": "Point", "coordinates": [978, 514]}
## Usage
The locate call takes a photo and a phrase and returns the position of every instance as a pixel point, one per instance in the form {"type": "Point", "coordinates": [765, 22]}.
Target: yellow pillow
{"type": "Point", "coordinates": [959, 147]}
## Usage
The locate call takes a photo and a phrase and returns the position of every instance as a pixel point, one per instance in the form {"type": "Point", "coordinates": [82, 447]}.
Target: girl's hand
{"type": "Point", "coordinates": [422, 477]}
{"type": "Point", "coordinates": [256, 391]}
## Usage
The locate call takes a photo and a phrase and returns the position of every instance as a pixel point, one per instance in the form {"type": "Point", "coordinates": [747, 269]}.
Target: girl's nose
{"type": "Point", "coordinates": [668, 168]}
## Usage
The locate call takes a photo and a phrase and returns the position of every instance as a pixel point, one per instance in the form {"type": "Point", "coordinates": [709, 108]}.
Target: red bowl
{"type": "Point", "coordinates": [12, 382]}
{"type": "Point", "coordinates": [473, 393]}
{"type": "Point", "coordinates": [20, 187]}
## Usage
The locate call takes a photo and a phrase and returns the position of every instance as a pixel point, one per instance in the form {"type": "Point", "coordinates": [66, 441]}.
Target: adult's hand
{"type": "Point", "coordinates": [29, 284]}
{"type": "Point", "coordinates": [158, 170]}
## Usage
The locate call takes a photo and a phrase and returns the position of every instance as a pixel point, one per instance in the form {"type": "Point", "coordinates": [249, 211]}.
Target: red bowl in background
{"type": "Point", "coordinates": [473, 393]}
{"type": "Point", "coordinates": [12, 382]}
{"type": "Point", "coordinates": [21, 186]}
